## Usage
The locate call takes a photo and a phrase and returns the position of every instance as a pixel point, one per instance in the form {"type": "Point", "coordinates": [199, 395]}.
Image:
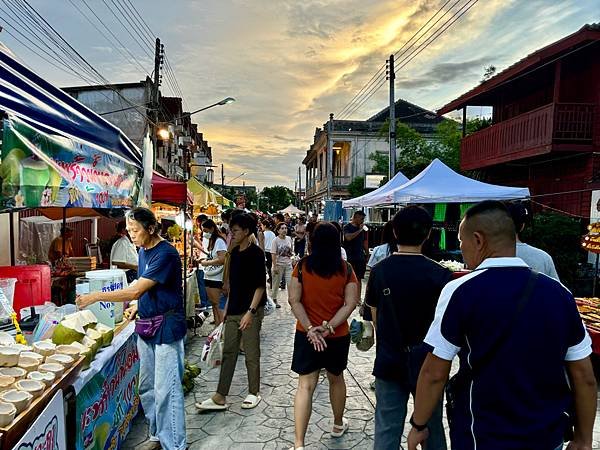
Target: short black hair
{"type": "Point", "coordinates": [121, 226]}
{"type": "Point", "coordinates": [145, 218]}
{"type": "Point", "coordinates": [412, 225]}
{"type": "Point", "coordinates": [226, 215]}
{"type": "Point", "coordinates": [244, 221]}
{"type": "Point", "coordinates": [279, 217]}
{"type": "Point", "coordinates": [487, 206]}
{"type": "Point", "coordinates": [359, 213]}
{"type": "Point", "coordinates": [519, 213]}
{"type": "Point", "coordinates": [202, 218]}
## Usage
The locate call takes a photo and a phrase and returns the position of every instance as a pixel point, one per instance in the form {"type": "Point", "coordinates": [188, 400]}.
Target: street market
{"type": "Point", "coordinates": [432, 251]}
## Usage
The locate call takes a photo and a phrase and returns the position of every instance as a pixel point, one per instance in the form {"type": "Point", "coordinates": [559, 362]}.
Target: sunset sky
{"type": "Point", "coordinates": [289, 63]}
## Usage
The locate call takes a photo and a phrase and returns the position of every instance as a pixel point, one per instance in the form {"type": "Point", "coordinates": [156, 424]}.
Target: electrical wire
{"type": "Point", "coordinates": [137, 41]}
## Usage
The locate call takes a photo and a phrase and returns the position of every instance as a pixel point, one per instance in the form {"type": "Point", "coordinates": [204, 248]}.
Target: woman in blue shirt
{"type": "Point", "coordinates": [161, 328]}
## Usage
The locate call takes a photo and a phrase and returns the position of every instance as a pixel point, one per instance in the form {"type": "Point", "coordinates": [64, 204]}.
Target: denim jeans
{"type": "Point", "coordinates": [390, 412]}
{"type": "Point", "coordinates": [161, 393]}
{"type": "Point", "coordinates": [283, 273]}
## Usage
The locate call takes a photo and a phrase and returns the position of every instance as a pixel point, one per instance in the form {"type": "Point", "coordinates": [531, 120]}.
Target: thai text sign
{"type": "Point", "coordinates": [591, 241]}
{"type": "Point", "coordinates": [48, 430]}
{"type": "Point", "coordinates": [109, 401]}
{"type": "Point", "coordinates": [43, 169]}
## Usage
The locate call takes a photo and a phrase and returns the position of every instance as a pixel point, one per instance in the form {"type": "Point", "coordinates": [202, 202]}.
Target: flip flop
{"type": "Point", "coordinates": [210, 405]}
{"type": "Point", "coordinates": [251, 401]}
{"type": "Point", "coordinates": [341, 428]}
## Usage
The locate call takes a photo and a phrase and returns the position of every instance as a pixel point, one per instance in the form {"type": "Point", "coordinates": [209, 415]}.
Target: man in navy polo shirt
{"type": "Point", "coordinates": [517, 398]}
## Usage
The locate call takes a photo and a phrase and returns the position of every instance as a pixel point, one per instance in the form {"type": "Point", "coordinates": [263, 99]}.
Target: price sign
{"type": "Point", "coordinates": [591, 241]}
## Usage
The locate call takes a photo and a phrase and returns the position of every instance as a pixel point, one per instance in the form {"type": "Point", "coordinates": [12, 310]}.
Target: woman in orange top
{"type": "Point", "coordinates": [323, 293]}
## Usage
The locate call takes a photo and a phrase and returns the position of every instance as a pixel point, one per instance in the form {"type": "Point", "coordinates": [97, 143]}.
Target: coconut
{"type": "Point", "coordinates": [68, 331]}
{"type": "Point", "coordinates": [93, 344]}
{"type": "Point", "coordinates": [86, 352]}
{"type": "Point", "coordinates": [107, 334]}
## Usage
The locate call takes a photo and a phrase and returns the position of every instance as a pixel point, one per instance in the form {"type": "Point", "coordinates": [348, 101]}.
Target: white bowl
{"type": "Point", "coordinates": [6, 338]}
{"type": "Point", "coordinates": [7, 414]}
{"type": "Point", "coordinates": [20, 399]}
{"type": "Point", "coordinates": [9, 356]}
{"type": "Point", "coordinates": [34, 355]}
{"type": "Point", "coordinates": [45, 377]}
{"type": "Point", "coordinates": [55, 368]}
{"type": "Point", "coordinates": [70, 350]}
{"type": "Point", "coordinates": [44, 348]}
{"type": "Point", "coordinates": [34, 387]}
{"type": "Point", "coordinates": [28, 363]}
{"type": "Point", "coordinates": [16, 372]}
{"type": "Point", "coordinates": [60, 358]}
{"type": "Point", "coordinates": [6, 382]}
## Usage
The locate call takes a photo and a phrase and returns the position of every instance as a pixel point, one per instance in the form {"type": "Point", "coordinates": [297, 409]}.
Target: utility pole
{"type": "Point", "coordinates": [392, 127]}
{"type": "Point", "coordinates": [299, 187]}
{"type": "Point", "coordinates": [329, 165]}
{"type": "Point", "coordinates": [222, 180]}
{"type": "Point", "coordinates": [158, 52]}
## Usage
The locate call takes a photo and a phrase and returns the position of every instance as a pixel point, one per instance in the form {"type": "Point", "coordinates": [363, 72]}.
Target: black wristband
{"type": "Point", "coordinates": [415, 425]}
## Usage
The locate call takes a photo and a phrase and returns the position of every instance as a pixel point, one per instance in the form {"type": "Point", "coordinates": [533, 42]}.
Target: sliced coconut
{"type": "Point", "coordinates": [88, 316]}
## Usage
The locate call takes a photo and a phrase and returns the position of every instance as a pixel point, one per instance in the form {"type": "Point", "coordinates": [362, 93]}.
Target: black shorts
{"type": "Point", "coordinates": [360, 267]}
{"type": "Point", "coordinates": [213, 284]}
{"type": "Point", "coordinates": [307, 360]}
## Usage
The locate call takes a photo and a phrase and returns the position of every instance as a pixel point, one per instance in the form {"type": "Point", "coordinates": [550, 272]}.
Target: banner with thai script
{"type": "Point", "coordinates": [41, 169]}
{"type": "Point", "coordinates": [48, 430]}
{"type": "Point", "coordinates": [108, 403]}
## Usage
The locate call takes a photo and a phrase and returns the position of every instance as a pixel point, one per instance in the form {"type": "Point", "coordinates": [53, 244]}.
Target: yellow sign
{"type": "Point", "coordinates": [591, 241]}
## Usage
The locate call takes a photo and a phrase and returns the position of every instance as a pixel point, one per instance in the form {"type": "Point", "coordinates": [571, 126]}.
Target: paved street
{"type": "Point", "coordinates": [270, 425]}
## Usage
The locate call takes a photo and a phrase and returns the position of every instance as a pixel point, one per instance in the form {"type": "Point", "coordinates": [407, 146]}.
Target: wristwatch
{"type": "Point", "coordinates": [415, 425]}
{"type": "Point", "coordinates": [252, 311]}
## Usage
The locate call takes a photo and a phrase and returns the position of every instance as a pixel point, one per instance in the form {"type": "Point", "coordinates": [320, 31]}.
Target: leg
{"type": "Point", "coordinates": [251, 337]}
{"type": "Point", "coordinates": [170, 411]}
{"type": "Point", "coordinates": [214, 296]}
{"type": "Point", "coordinates": [146, 387]}
{"type": "Point", "coordinates": [231, 347]}
{"type": "Point", "coordinates": [390, 414]}
{"type": "Point", "coordinates": [303, 405]}
{"type": "Point", "coordinates": [277, 276]}
{"type": "Point", "coordinates": [337, 396]}
{"type": "Point", "coordinates": [287, 274]}
{"type": "Point", "coordinates": [269, 263]}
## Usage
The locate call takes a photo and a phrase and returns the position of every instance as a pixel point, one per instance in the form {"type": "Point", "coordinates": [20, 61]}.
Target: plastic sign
{"type": "Point", "coordinates": [591, 241]}
{"type": "Point", "coordinates": [48, 430]}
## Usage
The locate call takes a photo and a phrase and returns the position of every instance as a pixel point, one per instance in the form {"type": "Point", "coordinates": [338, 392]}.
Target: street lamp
{"type": "Point", "coordinates": [225, 101]}
{"type": "Point", "coordinates": [240, 175]}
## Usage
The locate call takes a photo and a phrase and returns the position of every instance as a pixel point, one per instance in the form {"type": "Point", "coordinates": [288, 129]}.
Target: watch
{"type": "Point", "coordinates": [415, 425]}
{"type": "Point", "coordinates": [252, 311]}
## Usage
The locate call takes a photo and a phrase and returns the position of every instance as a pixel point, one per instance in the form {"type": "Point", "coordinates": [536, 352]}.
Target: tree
{"type": "Point", "coordinates": [488, 72]}
{"type": "Point", "coordinates": [356, 188]}
{"type": "Point", "coordinates": [276, 198]}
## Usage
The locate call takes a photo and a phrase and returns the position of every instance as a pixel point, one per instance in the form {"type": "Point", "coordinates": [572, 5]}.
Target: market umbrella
{"type": "Point", "coordinates": [291, 209]}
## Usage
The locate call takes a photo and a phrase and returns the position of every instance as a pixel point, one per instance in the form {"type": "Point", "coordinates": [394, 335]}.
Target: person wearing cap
{"type": "Point", "coordinates": [57, 250]}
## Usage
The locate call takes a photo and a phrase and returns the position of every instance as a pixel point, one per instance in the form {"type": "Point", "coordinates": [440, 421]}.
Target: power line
{"type": "Point", "coordinates": [128, 30]}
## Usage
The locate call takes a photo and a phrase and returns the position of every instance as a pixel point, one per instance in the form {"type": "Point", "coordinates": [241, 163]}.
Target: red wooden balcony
{"type": "Point", "coordinates": [534, 133]}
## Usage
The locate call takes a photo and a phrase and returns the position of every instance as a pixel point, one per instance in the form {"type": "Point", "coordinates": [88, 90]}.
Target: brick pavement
{"type": "Point", "coordinates": [270, 425]}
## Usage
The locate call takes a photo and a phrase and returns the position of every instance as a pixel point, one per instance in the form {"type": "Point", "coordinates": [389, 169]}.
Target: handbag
{"type": "Point", "coordinates": [213, 271]}
{"type": "Point", "coordinates": [460, 382]}
{"type": "Point", "coordinates": [147, 328]}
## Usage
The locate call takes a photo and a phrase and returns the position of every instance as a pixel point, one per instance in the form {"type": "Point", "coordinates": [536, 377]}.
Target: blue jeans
{"type": "Point", "coordinates": [390, 412]}
{"type": "Point", "coordinates": [161, 393]}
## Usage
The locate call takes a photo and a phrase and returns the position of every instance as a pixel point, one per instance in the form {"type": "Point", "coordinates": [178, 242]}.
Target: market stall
{"type": "Point", "coordinates": [589, 309]}
{"type": "Point", "coordinates": [58, 153]}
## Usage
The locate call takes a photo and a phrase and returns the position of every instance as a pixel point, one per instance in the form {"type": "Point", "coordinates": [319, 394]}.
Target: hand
{"type": "Point", "coordinates": [417, 437]}
{"type": "Point", "coordinates": [246, 321]}
{"type": "Point", "coordinates": [226, 287]}
{"type": "Point", "coordinates": [131, 312]}
{"type": "Point", "coordinates": [85, 300]}
{"type": "Point", "coordinates": [316, 338]}
{"type": "Point", "coordinates": [576, 445]}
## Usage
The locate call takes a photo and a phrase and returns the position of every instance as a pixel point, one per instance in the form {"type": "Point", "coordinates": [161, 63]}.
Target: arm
{"type": "Point", "coordinates": [584, 387]}
{"type": "Point", "coordinates": [218, 261]}
{"type": "Point", "coordinates": [350, 236]}
{"type": "Point", "coordinates": [258, 272]}
{"type": "Point", "coordinates": [430, 388]}
{"type": "Point", "coordinates": [132, 292]}
{"type": "Point", "coordinates": [350, 302]}
{"type": "Point", "coordinates": [313, 333]}
{"type": "Point", "coordinates": [374, 316]}
{"type": "Point", "coordinates": [125, 265]}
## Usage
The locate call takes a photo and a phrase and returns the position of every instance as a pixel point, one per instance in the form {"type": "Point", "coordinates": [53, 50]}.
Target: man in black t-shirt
{"type": "Point", "coordinates": [402, 292]}
{"type": "Point", "coordinates": [356, 246]}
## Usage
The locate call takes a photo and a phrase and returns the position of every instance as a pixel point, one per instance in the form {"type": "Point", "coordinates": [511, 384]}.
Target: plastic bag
{"type": "Point", "coordinates": [212, 352]}
{"type": "Point", "coordinates": [269, 306]}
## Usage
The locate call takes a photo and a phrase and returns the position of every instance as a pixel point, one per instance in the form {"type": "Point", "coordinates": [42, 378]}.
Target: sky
{"type": "Point", "coordinates": [289, 63]}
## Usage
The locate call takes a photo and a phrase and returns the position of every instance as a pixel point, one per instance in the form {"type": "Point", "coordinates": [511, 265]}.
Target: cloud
{"type": "Point", "coordinates": [103, 49]}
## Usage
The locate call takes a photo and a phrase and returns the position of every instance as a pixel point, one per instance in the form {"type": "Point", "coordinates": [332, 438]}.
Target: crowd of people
{"type": "Point", "coordinates": [525, 376]}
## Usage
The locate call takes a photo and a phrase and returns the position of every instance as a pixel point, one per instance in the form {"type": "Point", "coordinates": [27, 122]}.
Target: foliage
{"type": "Point", "coordinates": [275, 198]}
{"type": "Point", "coordinates": [356, 188]}
{"type": "Point", "coordinates": [174, 232]}
{"type": "Point", "coordinates": [560, 236]}
{"type": "Point", "coordinates": [488, 73]}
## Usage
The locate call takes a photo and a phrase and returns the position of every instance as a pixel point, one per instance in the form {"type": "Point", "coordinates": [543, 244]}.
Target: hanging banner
{"type": "Point", "coordinates": [107, 404]}
{"type": "Point", "coordinates": [48, 430]}
{"type": "Point", "coordinates": [41, 169]}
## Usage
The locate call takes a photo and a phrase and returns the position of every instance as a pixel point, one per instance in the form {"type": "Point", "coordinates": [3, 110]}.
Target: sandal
{"type": "Point", "coordinates": [251, 401]}
{"type": "Point", "coordinates": [339, 430]}
{"type": "Point", "coordinates": [210, 405]}
{"type": "Point", "coordinates": [296, 448]}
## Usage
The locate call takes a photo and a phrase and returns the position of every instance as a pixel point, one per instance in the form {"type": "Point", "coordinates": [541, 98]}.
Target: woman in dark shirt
{"type": "Point", "coordinates": [161, 352]}
{"type": "Point", "coordinates": [243, 315]}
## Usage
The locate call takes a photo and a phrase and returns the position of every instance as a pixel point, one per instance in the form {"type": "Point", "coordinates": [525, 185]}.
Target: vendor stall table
{"type": "Point", "coordinates": [10, 435]}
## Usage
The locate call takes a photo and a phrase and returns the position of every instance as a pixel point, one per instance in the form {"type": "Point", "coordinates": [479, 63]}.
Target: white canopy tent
{"type": "Point", "coordinates": [374, 198]}
{"type": "Point", "coordinates": [438, 183]}
{"type": "Point", "coordinates": [291, 209]}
